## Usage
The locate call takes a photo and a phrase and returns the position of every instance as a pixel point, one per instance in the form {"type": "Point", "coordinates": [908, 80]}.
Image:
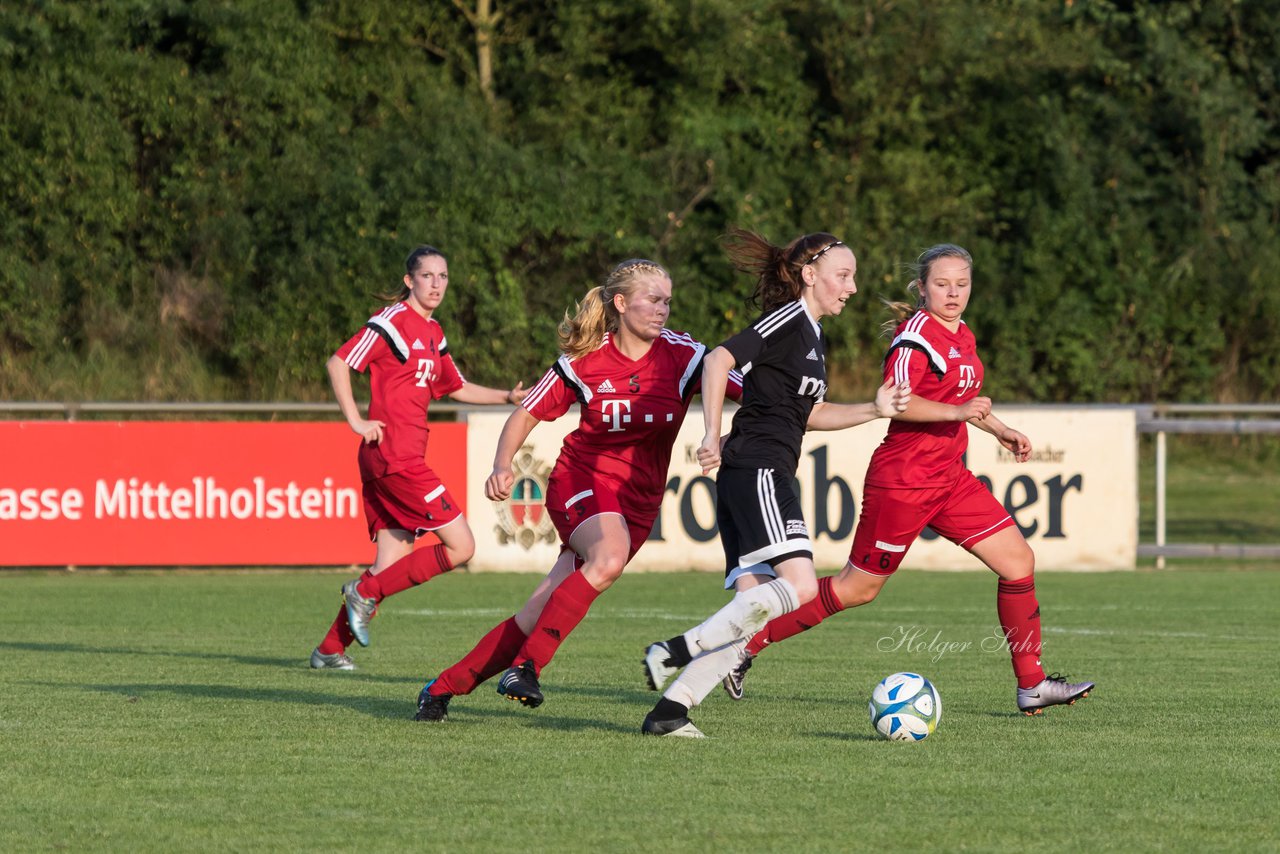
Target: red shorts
{"type": "Point", "coordinates": [966, 513]}
{"type": "Point", "coordinates": [411, 499]}
{"type": "Point", "coordinates": [571, 503]}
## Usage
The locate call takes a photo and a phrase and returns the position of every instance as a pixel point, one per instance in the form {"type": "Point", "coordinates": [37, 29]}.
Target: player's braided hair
{"type": "Point", "coordinates": [584, 330]}
{"type": "Point", "coordinates": [410, 267]}
{"type": "Point", "coordinates": [920, 270]}
{"type": "Point", "coordinates": [776, 268]}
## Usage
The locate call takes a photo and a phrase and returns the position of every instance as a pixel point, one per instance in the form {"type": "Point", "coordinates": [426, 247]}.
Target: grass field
{"type": "Point", "coordinates": [149, 711]}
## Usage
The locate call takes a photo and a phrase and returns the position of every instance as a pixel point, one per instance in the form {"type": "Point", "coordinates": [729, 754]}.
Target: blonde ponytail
{"type": "Point", "coordinates": [584, 330]}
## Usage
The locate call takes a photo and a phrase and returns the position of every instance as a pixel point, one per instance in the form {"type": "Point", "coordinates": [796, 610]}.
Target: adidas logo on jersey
{"type": "Point", "coordinates": [418, 345]}
{"type": "Point", "coordinates": [953, 354]}
{"type": "Point", "coordinates": [813, 354]}
{"type": "Point", "coordinates": [606, 387]}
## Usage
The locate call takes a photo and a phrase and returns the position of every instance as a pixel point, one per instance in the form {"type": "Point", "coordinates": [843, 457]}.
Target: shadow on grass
{"type": "Point", "coordinates": [299, 663]}
{"type": "Point", "coordinates": [846, 736]}
{"type": "Point", "coordinates": [535, 719]}
{"type": "Point", "coordinates": [138, 691]}
{"type": "Point", "coordinates": [375, 707]}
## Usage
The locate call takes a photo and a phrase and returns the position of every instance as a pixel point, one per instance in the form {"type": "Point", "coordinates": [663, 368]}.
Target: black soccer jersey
{"type": "Point", "coordinates": [782, 358]}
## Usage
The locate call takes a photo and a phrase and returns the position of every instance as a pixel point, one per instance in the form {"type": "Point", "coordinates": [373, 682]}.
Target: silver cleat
{"type": "Point", "coordinates": [359, 611]}
{"type": "Point", "coordinates": [336, 661]}
{"type": "Point", "coordinates": [1054, 690]}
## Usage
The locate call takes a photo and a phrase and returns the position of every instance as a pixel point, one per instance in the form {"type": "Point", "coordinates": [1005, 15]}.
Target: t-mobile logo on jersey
{"type": "Point", "coordinates": [617, 413]}
{"type": "Point", "coordinates": [813, 387]}
{"type": "Point", "coordinates": [423, 374]}
{"type": "Point", "coordinates": [968, 379]}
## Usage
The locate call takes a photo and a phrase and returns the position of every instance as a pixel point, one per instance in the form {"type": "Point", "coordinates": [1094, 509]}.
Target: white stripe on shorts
{"type": "Point", "coordinates": [769, 506]}
{"type": "Point", "coordinates": [890, 547]}
{"type": "Point", "coordinates": [984, 530]}
{"type": "Point", "coordinates": [764, 555]}
{"type": "Point", "coordinates": [433, 494]}
{"type": "Point", "coordinates": [575, 499]}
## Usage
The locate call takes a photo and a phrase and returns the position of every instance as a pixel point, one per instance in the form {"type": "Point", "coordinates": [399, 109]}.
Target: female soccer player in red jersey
{"type": "Point", "coordinates": [768, 554]}
{"type": "Point", "coordinates": [633, 380]}
{"type": "Point", "coordinates": [404, 350]}
{"type": "Point", "coordinates": [917, 477]}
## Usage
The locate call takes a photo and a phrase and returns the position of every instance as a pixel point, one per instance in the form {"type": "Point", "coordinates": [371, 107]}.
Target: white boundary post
{"type": "Point", "coordinates": [1160, 489]}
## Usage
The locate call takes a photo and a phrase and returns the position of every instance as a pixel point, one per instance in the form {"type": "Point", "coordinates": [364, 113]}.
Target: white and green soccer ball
{"type": "Point", "coordinates": [905, 707]}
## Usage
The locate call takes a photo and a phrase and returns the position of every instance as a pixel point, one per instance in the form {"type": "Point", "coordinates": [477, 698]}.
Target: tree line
{"type": "Point", "coordinates": [202, 199]}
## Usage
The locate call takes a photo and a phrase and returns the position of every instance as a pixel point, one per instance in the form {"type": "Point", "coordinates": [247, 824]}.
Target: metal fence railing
{"type": "Point", "coordinates": [1163, 419]}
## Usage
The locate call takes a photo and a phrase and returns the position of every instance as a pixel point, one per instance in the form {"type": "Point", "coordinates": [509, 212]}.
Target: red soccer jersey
{"type": "Point", "coordinates": [631, 411]}
{"type": "Point", "coordinates": [942, 366]}
{"type": "Point", "coordinates": [409, 366]}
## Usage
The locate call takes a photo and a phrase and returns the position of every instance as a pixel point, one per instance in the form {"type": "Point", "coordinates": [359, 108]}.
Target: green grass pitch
{"type": "Point", "coordinates": [156, 712]}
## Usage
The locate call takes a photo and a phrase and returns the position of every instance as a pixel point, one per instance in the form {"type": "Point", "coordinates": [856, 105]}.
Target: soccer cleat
{"type": "Point", "coordinates": [360, 611]}
{"type": "Point", "coordinates": [733, 681]}
{"type": "Point", "coordinates": [657, 665]}
{"type": "Point", "coordinates": [432, 707]}
{"type": "Point", "coordinates": [521, 683]}
{"type": "Point", "coordinates": [677, 727]}
{"type": "Point", "coordinates": [336, 661]}
{"type": "Point", "coordinates": [1054, 690]}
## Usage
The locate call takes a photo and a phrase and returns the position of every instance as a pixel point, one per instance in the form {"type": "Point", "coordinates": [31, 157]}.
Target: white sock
{"type": "Point", "coordinates": [704, 673]}
{"type": "Point", "coordinates": [745, 615]}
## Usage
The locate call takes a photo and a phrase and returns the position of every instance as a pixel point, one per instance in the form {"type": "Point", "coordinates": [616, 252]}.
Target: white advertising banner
{"type": "Point", "coordinates": [1075, 500]}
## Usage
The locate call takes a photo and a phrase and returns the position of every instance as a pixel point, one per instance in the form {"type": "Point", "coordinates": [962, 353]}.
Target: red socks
{"type": "Point", "coordinates": [417, 567]}
{"type": "Point", "coordinates": [802, 619]}
{"type": "Point", "coordinates": [492, 655]}
{"type": "Point", "coordinates": [564, 610]}
{"type": "Point", "coordinates": [1020, 618]}
{"type": "Point", "coordinates": [339, 636]}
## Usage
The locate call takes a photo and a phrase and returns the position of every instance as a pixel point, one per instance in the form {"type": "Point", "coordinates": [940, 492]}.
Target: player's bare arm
{"type": "Point", "coordinates": [483, 395]}
{"type": "Point", "coordinates": [715, 380]}
{"type": "Point", "coordinates": [497, 487]}
{"type": "Point", "coordinates": [891, 399]}
{"type": "Point", "coordinates": [919, 409]}
{"type": "Point", "coordinates": [340, 379]}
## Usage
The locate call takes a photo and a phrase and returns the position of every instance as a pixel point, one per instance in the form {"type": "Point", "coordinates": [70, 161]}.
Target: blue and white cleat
{"type": "Point", "coordinates": [432, 707]}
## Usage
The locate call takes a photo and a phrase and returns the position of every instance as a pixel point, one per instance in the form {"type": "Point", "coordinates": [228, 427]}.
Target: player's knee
{"type": "Point", "coordinates": [1020, 565]}
{"type": "Point", "coordinates": [603, 570]}
{"type": "Point", "coordinates": [461, 552]}
{"type": "Point", "coordinates": [859, 596]}
{"type": "Point", "coordinates": [806, 590]}
{"type": "Point", "coordinates": [852, 589]}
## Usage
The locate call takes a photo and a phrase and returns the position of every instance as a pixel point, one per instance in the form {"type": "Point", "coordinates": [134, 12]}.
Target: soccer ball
{"type": "Point", "coordinates": [905, 707]}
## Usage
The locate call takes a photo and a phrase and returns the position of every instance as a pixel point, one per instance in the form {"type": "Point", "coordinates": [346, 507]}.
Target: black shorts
{"type": "Point", "coordinates": [760, 522]}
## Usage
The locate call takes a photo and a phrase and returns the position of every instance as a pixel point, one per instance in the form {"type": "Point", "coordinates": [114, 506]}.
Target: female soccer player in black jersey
{"type": "Point", "coordinates": [768, 554]}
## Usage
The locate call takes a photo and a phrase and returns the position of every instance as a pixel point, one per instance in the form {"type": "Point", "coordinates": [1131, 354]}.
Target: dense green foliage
{"type": "Point", "coordinates": [201, 199]}
{"type": "Point", "coordinates": [162, 712]}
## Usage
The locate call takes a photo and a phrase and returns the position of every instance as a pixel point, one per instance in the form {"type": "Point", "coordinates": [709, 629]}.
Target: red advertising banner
{"type": "Point", "coordinates": [191, 494]}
